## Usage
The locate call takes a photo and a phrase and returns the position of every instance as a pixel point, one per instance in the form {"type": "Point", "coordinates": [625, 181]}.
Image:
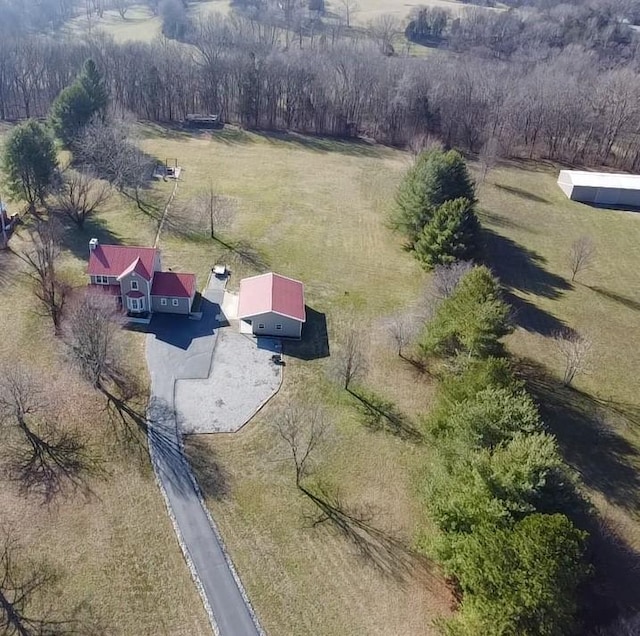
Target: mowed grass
{"type": "Point", "coordinates": [531, 226]}
{"type": "Point", "coordinates": [119, 569]}
{"type": "Point", "coordinates": [316, 209]}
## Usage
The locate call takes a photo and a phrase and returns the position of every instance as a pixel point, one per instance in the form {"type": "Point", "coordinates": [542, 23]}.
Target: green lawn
{"type": "Point", "coordinates": [315, 209]}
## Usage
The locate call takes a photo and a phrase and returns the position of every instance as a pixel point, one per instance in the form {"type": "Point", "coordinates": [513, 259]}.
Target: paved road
{"type": "Point", "coordinates": [179, 348]}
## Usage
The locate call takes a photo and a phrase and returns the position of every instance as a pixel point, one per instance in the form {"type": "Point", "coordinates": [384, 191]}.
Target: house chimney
{"type": "Point", "coordinates": [93, 243]}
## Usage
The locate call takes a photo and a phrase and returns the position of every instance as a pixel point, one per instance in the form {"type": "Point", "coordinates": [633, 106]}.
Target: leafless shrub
{"type": "Point", "coordinates": [303, 429]}
{"type": "Point", "coordinates": [447, 277]}
{"type": "Point", "coordinates": [582, 255]}
{"type": "Point", "coordinates": [423, 142]}
{"type": "Point", "coordinates": [351, 360]}
{"type": "Point", "coordinates": [574, 349]}
{"type": "Point", "coordinates": [81, 196]}
{"type": "Point", "coordinates": [41, 260]}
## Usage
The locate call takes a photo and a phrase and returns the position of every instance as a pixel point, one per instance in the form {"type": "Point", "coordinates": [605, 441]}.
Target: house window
{"type": "Point", "coordinates": [260, 325]}
{"type": "Point", "coordinates": [134, 285]}
{"type": "Point", "coordinates": [102, 280]}
{"type": "Point", "coordinates": [278, 327]}
{"type": "Point", "coordinates": [163, 302]}
{"type": "Point", "coordinates": [174, 302]}
{"type": "Point", "coordinates": [136, 304]}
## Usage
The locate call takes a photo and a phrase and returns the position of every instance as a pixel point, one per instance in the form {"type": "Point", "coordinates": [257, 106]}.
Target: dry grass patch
{"type": "Point", "coordinates": [118, 565]}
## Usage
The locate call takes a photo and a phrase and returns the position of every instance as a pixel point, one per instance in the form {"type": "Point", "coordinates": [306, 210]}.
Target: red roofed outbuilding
{"type": "Point", "coordinates": [272, 305]}
{"type": "Point", "coordinates": [134, 276]}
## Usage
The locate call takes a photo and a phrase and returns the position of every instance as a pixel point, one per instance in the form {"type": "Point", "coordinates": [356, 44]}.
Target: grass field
{"type": "Point", "coordinates": [118, 565]}
{"type": "Point", "coordinates": [315, 209]}
{"type": "Point", "coordinates": [139, 23]}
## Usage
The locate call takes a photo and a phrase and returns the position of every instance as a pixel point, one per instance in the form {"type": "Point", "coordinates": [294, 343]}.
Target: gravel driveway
{"type": "Point", "coordinates": [243, 377]}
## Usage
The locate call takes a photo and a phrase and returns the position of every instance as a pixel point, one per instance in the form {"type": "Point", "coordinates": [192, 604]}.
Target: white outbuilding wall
{"type": "Point", "coordinates": [601, 188]}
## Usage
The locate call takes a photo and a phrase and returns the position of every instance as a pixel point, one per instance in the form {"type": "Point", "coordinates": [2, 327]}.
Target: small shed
{"type": "Point", "coordinates": [199, 120]}
{"type": "Point", "coordinates": [271, 305]}
{"type": "Point", "coordinates": [601, 188]}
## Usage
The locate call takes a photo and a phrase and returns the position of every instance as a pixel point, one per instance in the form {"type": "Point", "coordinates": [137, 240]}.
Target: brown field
{"type": "Point", "coordinates": [315, 209]}
{"type": "Point", "coordinates": [114, 552]}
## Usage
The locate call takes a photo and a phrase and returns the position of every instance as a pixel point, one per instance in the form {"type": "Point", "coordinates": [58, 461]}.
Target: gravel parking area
{"type": "Point", "coordinates": [243, 377]}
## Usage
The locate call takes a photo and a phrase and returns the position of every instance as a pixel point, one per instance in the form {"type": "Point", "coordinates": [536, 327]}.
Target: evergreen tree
{"type": "Point", "coordinates": [451, 235]}
{"type": "Point", "coordinates": [30, 162]}
{"type": "Point", "coordinates": [471, 321]}
{"type": "Point", "coordinates": [74, 108]}
{"type": "Point", "coordinates": [522, 580]}
{"type": "Point", "coordinates": [93, 83]}
{"type": "Point", "coordinates": [435, 178]}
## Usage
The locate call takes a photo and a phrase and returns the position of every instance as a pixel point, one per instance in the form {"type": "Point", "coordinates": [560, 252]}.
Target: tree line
{"type": "Point", "coordinates": [564, 107]}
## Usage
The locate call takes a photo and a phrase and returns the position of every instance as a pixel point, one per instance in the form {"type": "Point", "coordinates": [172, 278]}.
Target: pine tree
{"type": "Point", "coordinates": [30, 162]}
{"type": "Point", "coordinates": [74, 108]}
{"type": "Point", "coordinates": [451, 235]}
{"type": "Point", "coordinates": [471, 321]}
{"type": "Point", "coordinates": [435, 178]}
{"type": "Point", "coordinates": [93, 82]}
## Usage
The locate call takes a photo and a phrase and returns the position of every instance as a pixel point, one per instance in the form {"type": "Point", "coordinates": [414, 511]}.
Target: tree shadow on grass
{"type": "Point", "coordinates": [523, 194]}
{"type": "Point", "coordinates": [523, 270]}
{"type": "Point", "coordinates": [76, 239]}
{"type": "Point", "coordinates": [8, 267]}
{"type": "Point", "coordinates": [379, 414]}
{"type": "Point", "coordinates": [314, 343]}
{"type": "Point", "coordinates": [587, 430]}
{"type": "Point", "coordinates": [387, 554]}
{"type": "Point", "coordinates": [354, 147]}
{"type": "Point", "coordinates": [212, 478]}
{"type": "Point", "coordinates": [630, 303]}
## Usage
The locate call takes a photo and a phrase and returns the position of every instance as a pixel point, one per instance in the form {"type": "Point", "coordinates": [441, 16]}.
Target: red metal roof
{"type": "Point", "coordinates": [271, 293]}
{"type": "Point", "coordinates": [114, 260]}
{"type": "Point", "coordinates": [138, 267]}
{"type": "Point", "coordinates": [134, 294]}
{"type": "Point", "coordinates": [173, 284]}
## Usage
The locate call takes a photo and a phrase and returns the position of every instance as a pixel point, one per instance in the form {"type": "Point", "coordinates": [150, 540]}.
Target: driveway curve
{"type": "Point", "coordinates": [178, 348]}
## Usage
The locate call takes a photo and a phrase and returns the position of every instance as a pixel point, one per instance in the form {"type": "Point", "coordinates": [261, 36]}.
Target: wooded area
{"type": "Point", "coordinates": [569, 93]}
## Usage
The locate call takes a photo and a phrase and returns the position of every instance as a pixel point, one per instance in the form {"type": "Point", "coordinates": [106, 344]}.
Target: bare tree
{"type": "Point", "coordinates": [122, 6]}
{"type": "Point", "coordinates": [488, 158]}
{"type": "Point", "coordinates": [347, 8]}
{"type": "Point", "coordinates": [574, 349]}
{"type": "Point", "coordinates": [217, 209]}
{"type": "Point", "coordinates": [383, 30]}
{"type": "Point", "coordinates": [106, 147]}
{"type": "Point", "coordinates": [81, 196]}
{"type": "Point", "coordinates": [401, 329]}
{"type": "Point", "coordinates": [351, 361]}
{"type": "Point", "coordinates": [93, 336]}
{"type": "Point", "coordinates": [582, 255]}
{"type": "Point", "coordinates": [41, 260]}
{"type": "Point", "coordinates": [303, 428]}
{"type": "Point", "coordinates": [42, 457]}
{"type": "Point", "coordinates": [447, 277]}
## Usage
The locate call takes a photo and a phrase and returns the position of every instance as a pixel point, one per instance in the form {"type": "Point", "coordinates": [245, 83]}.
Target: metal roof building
{"type": "Point", "coordinates": [601, 188]}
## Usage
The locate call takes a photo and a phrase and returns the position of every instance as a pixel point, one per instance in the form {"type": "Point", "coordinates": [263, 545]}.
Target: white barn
{"type": "Point", "coordinates": [601, 188]}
